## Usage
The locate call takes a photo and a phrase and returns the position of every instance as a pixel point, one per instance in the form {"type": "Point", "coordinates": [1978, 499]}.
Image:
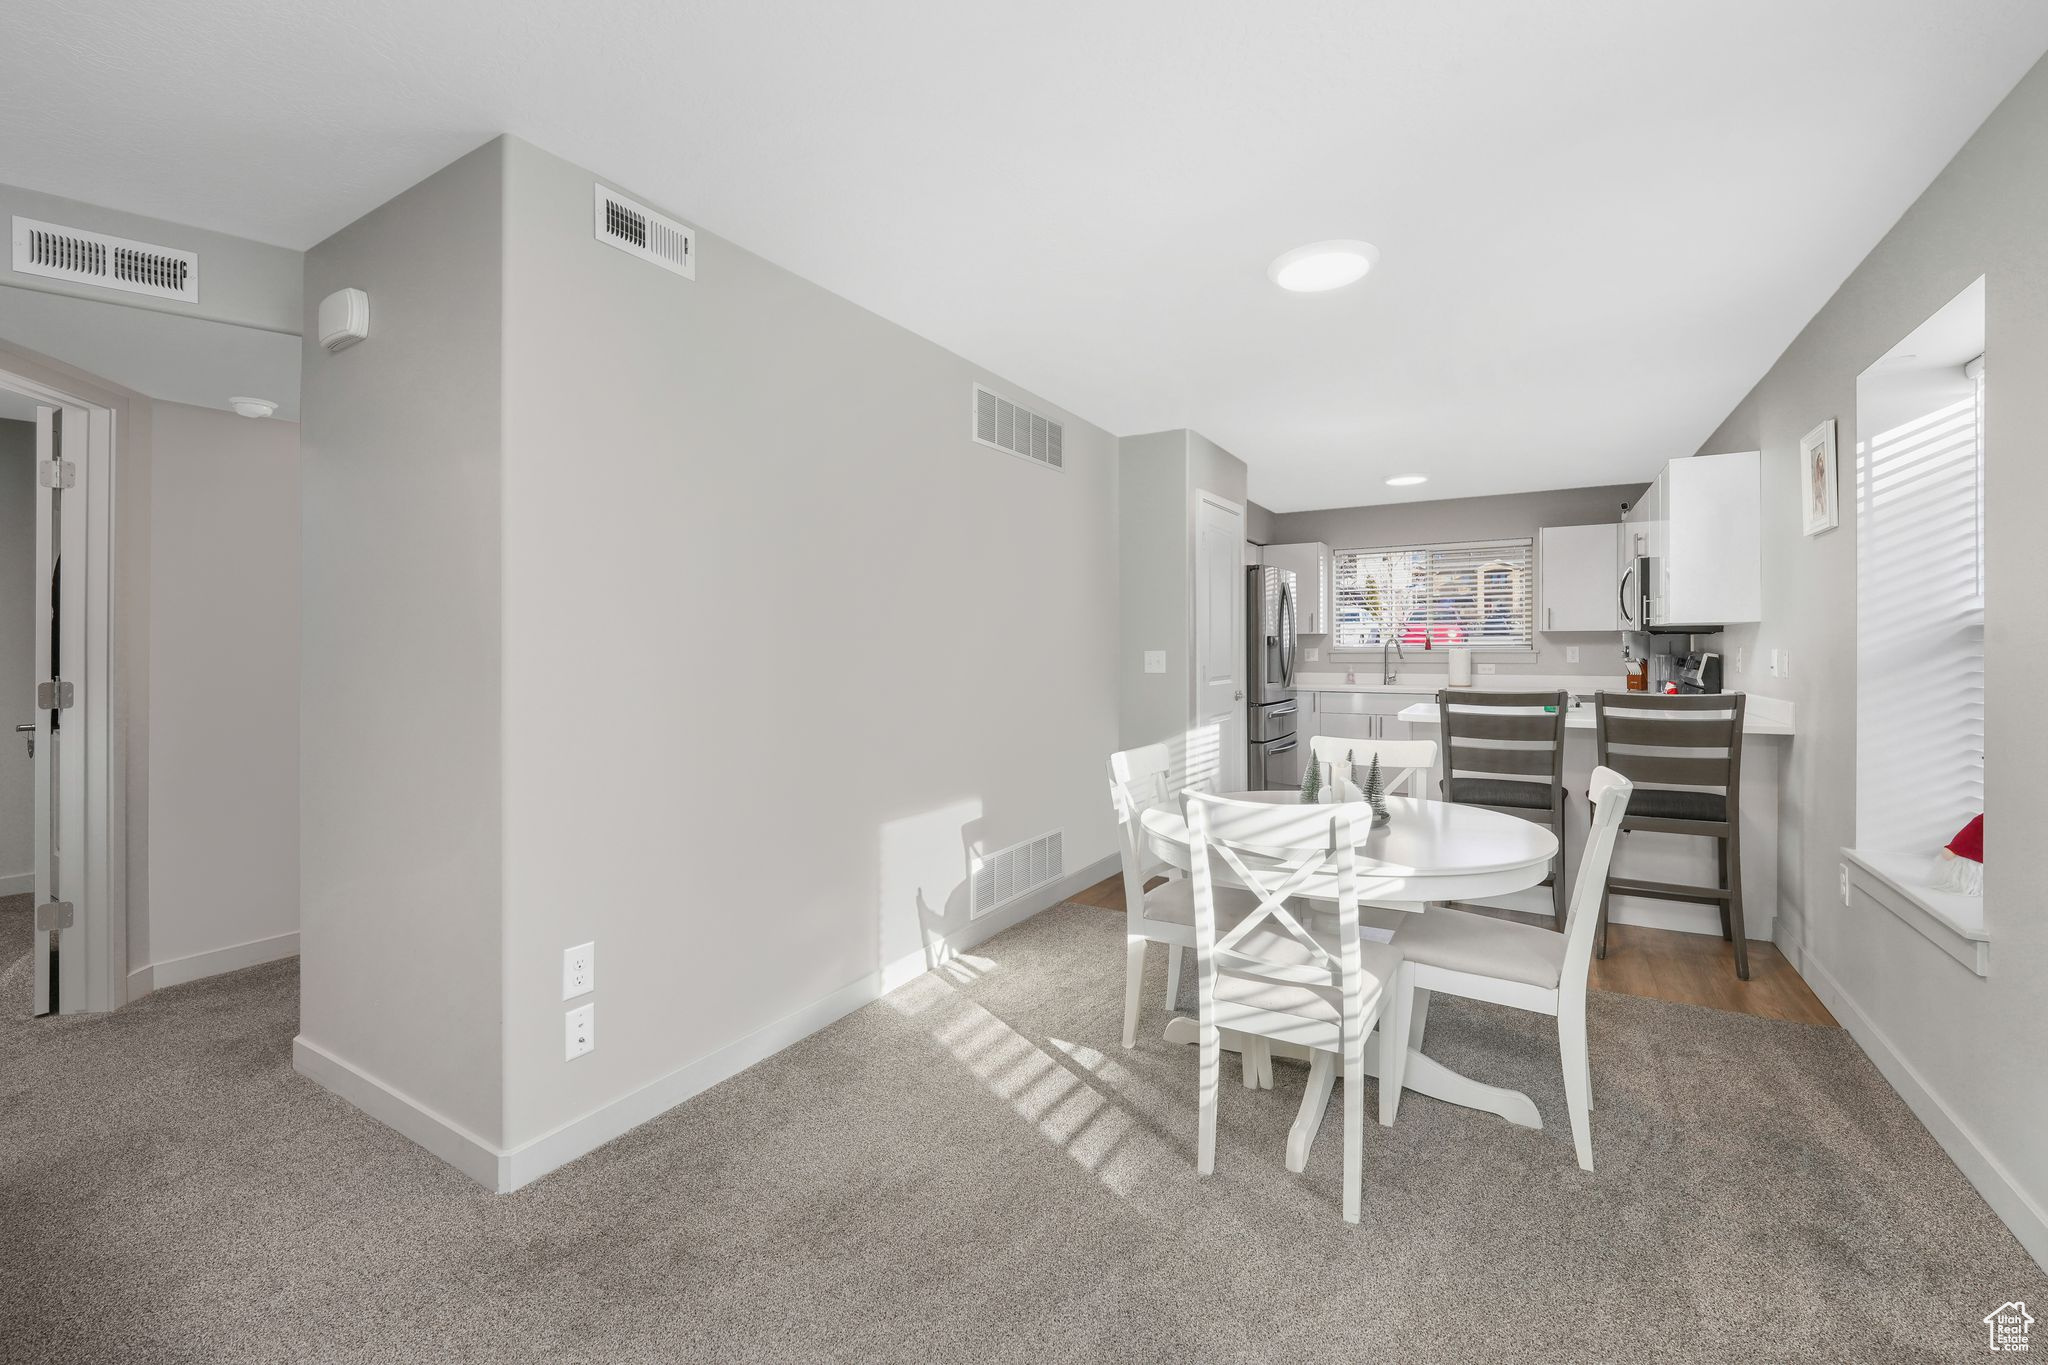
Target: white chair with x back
{"type": "Point", "coordinates": [1274, 978]}
{"type": "Point", "coordinates": [1141, 780]}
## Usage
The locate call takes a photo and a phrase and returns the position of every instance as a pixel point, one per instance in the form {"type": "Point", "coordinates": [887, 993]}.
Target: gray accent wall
{"type": "Point", "coordinates": [697, 473]}
{"type": "Point", "coordinates": [402, 843]}
{"type": "Point", "coordinates": [1963, 1049]}
{"type": "Point", "coordinates": [1450, 519]}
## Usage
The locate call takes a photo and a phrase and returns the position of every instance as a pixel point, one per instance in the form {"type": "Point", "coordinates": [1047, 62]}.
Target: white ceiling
{"type": "Point", "coordinates": [1600, 220]}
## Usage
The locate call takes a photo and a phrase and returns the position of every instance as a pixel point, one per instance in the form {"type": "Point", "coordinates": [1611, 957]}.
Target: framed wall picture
{"type": "Point", "coordinates": [1818, 492]}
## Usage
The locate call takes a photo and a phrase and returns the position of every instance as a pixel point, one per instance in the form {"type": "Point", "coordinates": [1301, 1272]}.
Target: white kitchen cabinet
{"type": "Point", "coordinates": [1577, 566]}
{"type": "Point", "coordinates": [1312, 583]}
{"type": "Point", "coordinates": [1697, 537]}
{"type": "Point", "coordinates": [1364, 715]}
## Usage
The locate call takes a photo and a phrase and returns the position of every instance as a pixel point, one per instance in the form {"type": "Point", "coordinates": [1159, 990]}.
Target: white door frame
{"type": "Point", "coordinates": [94, 877]}
{"type": "Point", "coordinates": [1235, 740]}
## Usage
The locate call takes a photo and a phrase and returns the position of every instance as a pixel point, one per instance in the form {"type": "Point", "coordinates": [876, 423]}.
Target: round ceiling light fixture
{"type": "Point", "coordinates": [1407, 480]}
{"type": "Point", "coordinates": [1320, 266]}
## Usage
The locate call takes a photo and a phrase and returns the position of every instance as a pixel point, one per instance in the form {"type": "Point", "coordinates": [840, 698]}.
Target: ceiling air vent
{"type": "Point", "coordinates": [639, 231]}
{"type": "Point", "coordinates": [65, 253]}
{"type": "Point", "coordinates": [1012, 427]}
{"type": "Point", "coordinates": [1002, 876]}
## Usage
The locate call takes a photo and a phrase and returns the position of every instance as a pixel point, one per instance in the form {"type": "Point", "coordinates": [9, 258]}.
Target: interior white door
{"type": "Point", "coordinates": [60, 638]}
{"type": "Point", "coordinates": [1220, 632]}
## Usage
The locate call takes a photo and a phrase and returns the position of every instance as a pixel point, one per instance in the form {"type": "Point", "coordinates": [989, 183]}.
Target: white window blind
{"type": "Point", "coordinates": [1920, 624]}
{"type": "Point", "coordinates": [1467, 593]}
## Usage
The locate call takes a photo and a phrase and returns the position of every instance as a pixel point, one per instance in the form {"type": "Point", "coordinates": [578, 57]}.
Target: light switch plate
{"type": "Point", "coordinates": [1312, 656]}
{"type": "Point", "coordinates": [579, 1031]}
{"type": "Point", "coordinates": [1571, 654]}
{"type": "Point", "coordinates": [579, 970]}
{"type": "Point", "coordinates": [1155, 661]}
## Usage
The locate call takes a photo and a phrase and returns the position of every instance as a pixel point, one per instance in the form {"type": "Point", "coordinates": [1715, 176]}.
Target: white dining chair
{"type": "Point", "coordinates": [1273, 979]}
{"type": "Point", "coordinates": [1518, 965]}
{"type": "Point", "coordinates": [1405, 764]}
{"type": "Point", "coordinates": [1141, 780]}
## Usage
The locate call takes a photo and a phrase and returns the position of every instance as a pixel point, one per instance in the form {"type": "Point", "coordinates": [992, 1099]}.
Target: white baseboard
{"type": "Point", "coordinates": [2028, 1221]}
{"type": "Point", "coordinates": [508, 1169]}
{"type": "Point", "coordinates": [465, 1151]}
{"type": "Point", "coordinates": [17, 883]}
{"type": "Point", "coordinates": [157, 975]}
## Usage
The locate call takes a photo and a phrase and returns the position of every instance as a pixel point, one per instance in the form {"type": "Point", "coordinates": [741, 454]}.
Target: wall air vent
{"type": "Point", "coordinates": [1012, 427]}
{"type": "Point", "coordinates": [65, 253]}
{"type": "Point", "coordinates": [1000, 877]}
{"type": "Point", "coordinates": [639, 231]}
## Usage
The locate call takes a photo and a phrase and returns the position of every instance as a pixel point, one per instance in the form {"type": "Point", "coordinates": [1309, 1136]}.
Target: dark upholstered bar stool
{"type": "Point", "coordinates": [1684, 753]}
{"type": "Point", "coordinates": [1504, 751]}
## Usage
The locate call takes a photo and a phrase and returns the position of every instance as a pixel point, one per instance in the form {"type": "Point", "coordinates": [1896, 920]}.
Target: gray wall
{"type": "Point", "coordinates": [247, 283]}
{"type": "Point", "coordinates": [1152, 586]}
{"type": "Point", "coordinates": [1445, 519]}
{"type": "Point", "coordinates": [400, 686]}
{"type": "Point", "coordinates": [1977, 1045]}
{"type": "Point", "coordinates": [695, 471]}
{"type": "Point", "coordinates": [224, 683]}
{"type": "Point", "coordinates": [1160, 474]}
{"type": "Point", "coordinates": [17, 650]}
{"type": "Point", "coordinates": [1258, 524]}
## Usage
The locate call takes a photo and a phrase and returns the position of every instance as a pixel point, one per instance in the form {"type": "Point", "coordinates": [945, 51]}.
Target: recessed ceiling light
{"type": "Point", "coordinates": [1407, 480]}
{"type": "Point", "coordinates": [1323, 265]}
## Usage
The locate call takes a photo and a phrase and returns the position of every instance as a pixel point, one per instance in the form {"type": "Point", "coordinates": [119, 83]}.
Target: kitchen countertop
{"type": "Point", "coordinates": [1762, 717]}
{"type": "Point", "coordinates": [1579, 684]}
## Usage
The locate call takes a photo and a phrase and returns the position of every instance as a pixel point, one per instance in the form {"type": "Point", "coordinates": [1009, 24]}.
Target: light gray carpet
{"type": "Point", "coordinates": [974, 1170]}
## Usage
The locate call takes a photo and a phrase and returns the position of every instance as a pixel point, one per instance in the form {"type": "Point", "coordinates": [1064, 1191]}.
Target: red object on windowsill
{"type": "Point", "coordinates": [1960, 866]}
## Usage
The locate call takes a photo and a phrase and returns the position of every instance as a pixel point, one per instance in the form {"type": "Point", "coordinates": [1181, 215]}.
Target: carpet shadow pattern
{"type": "Point", "coordinates": [974, 1169]}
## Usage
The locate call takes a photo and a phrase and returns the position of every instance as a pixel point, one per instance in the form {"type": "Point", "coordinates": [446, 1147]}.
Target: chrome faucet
{"type": "Point", "coordinates": [1386, 672]}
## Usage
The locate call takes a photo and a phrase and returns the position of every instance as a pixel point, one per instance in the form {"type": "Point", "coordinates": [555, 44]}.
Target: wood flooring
{"type": "Point", "coordinates": [1659, 964]}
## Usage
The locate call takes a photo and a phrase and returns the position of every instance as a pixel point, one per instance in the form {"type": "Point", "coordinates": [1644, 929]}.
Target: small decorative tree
{"type": "Point", "coordinates": [1312, 782]}
{"type": "Point", "coordinates": [1376, 794]}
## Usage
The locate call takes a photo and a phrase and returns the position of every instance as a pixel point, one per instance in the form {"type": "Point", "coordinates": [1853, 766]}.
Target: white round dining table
{"type": "Point", "coordinates": [1428, 851]}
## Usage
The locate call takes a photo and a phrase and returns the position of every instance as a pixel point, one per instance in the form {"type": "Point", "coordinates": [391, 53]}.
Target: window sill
{"type": "Point", "coordinates": [1434, 656]}
{"type": "Point", "coordinates": [1952, 922]}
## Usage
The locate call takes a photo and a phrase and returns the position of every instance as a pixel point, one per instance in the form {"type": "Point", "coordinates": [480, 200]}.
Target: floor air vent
{"type": "Point", "coordinates": [66, 253]}
{"type": "Point", "coordinates": [639, 231]}
{"type": "Point", "coordinates": [1012, 427]}
{"type": "Point", "coordinates": [1001, 877]}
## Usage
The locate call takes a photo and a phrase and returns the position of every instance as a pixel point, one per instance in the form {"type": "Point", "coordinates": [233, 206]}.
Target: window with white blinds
{"type": "Point", "coordinates": [1477, 593]}
{"type": "Point", "coordinates": [1920, 608]}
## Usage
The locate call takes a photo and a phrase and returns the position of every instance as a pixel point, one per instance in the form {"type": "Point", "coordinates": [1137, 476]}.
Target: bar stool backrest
{"type": "Point", "coordinates": [1673, 742]}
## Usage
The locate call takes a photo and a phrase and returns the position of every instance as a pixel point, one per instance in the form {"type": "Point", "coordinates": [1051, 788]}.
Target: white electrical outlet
{"type": "Point", "coordinates": [1771, 663]}
{"type": "Point", "coordinates": [1313, 656]}
{"type": "Point", "coordinates": [1155, 661]}
{"type": "Point", "coordinates": [1740, 653]}
{"type": "Point", "coordinates": [1571, 654]}
{"type": "Point", "coordinates": [1489, 668]}
{"type": "Point", "coordinates": [579, 970]}
{"type": "Point", "coordinates": [1845, 883]}
{"type": "Point", "coordinates": [579, 1031]}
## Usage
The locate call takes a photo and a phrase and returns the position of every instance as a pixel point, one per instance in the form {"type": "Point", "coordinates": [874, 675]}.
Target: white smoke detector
{"type": "Point", "coordinates": [252, 407]}
{"type": "Point", "coordinates": [344, 319]}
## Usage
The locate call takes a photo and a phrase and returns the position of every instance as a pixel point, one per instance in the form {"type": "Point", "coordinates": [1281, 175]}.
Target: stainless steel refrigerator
{"type": "Point", "coordinates": [1270, 703]}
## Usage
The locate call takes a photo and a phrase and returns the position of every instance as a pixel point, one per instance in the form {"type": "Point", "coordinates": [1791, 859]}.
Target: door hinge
{"type": "Point", "coordinates": [53, 695]}
{"type": "Point", "coordinates": [53, 915]}
{"type": "Point", "coordinates": [57, 473]}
